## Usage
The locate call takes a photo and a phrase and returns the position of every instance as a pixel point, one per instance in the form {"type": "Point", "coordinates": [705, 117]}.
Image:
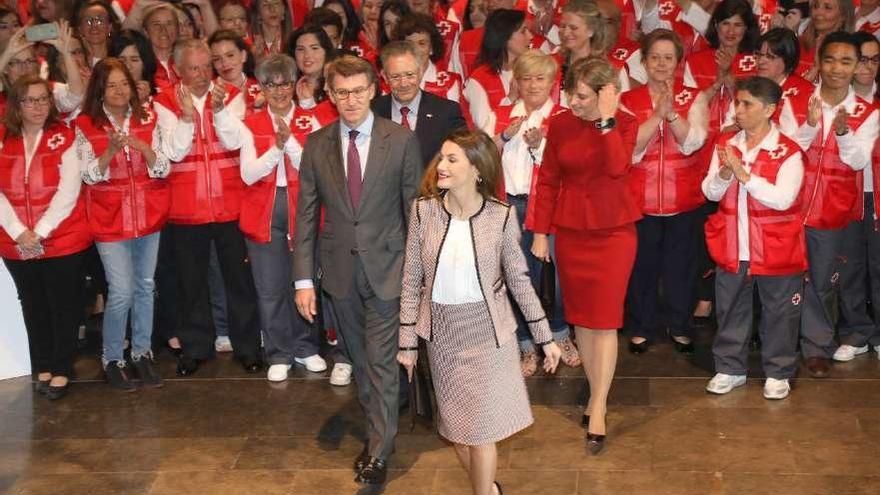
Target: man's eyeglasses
{"type": "Point", "coordinates": [31, 102]}
{"type": "Point", "coordinates": [396, 78]}
{"type": "Point", "coordinates": [344, 94]}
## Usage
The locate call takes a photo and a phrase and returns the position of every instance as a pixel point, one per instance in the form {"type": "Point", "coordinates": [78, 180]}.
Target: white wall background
{"type": "Point", "coordinates": [14, 357]}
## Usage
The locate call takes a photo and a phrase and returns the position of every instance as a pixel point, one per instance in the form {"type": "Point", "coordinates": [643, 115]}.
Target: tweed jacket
{"type": "Point", "coordinates": [500, 262]}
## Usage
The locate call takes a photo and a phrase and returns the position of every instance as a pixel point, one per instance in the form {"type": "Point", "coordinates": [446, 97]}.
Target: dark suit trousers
{"type": "Point", "coordinates": [818, 320]}
{"type": "Point", "coordinates": [195, 328]}
{"type": "Point", "coordinates": [860, 281]}
{"type": "Point", "coordinates": [370, 328]}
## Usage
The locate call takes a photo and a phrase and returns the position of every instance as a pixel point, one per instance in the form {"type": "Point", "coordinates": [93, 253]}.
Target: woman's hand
{"type": "Point", "coordinates": [29, 240]}
{"type": "Point", "coordinates": [541, 247]}
{"type": "Point", "coordinates": [143, 90]}
{"type": "Point", "coordinates": [408, 360]}
{"type": "Point", "coordinates": [512, 128]}
{"type": "Point", "coordinates": [218, 97]}
{"type": "Point", "coordinates": [723, 60]}
{"type": "Point", "coordinates": [282, 134]}
{"type": "Point", "coordinates": [533, 137]}
{"type": "Point", "coordinates": [552, 354]}
{"type": "Point", "coordinates": [187, 108]}
{"type": "Point", "coordinates": [305, 89]}
{"type": "Point", "coordinates": [609, 99]}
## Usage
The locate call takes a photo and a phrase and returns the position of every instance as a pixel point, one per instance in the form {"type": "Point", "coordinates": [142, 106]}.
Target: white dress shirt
{"type": "Point", "coordinates": [778, 196]}
{"type": "Point", "coordinates": [517, 158]}
{"type": "Point", "coordinates": [457, 281]}
{"type": "Point", "coordinates": [91, 170]}
{"type": "Point", "coordinates": [60, 205]}
{"type": "Point", "coordinates": [856, 145]}
{"type": "Point", "coordinates": [65, 100]}
{"type": "Point", "coordinates": [413, 106]}
{"type": "Point", "coordinates": [235, 135]}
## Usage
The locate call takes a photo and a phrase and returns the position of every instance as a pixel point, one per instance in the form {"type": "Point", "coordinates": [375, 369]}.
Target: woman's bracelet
{"type": "Point", "coordinates": [408, 348]}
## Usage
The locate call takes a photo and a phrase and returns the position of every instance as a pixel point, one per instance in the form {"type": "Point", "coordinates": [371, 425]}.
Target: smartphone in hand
{"type": "Point", "coordinates": [41, 32]}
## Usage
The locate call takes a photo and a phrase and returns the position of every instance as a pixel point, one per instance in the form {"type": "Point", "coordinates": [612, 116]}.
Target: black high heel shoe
{"type": "Point", "coordinates": [595, 443]}
{"type": "Point", "coordinates": [640, 348]}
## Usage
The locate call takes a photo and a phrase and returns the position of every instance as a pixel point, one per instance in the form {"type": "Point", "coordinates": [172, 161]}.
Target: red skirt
{"type": "Point", "coordinates": [594, 268]}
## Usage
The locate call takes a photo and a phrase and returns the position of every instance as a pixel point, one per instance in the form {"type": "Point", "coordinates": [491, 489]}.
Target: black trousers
{"type": "Point", "coordinates": [704, 281]}
{"type": "Point", "coordinates": [50, 291]}
{"type": "Point", "coordinates": [666, 252]}
{"type": "Point", "coordinates": [195, 325]}
{"type": "Point", "coordinates": [860, 281]}
{"type": "Point", "coordinates": [165, 311]}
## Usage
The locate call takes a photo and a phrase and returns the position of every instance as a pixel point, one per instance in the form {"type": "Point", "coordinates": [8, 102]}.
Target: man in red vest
{"type": "Point", "coordinates": [757, 240]}
{"type": "Point", "coordinates": [206, 189]}
{"type": "Point", "coordinates": [839, 135]}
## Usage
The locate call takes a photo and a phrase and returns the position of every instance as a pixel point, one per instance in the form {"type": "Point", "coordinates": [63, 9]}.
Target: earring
{"type": "Point", "coordinates": [479, 180]}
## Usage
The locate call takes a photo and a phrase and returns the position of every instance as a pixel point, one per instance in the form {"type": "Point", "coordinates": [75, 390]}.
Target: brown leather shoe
{"type": "Point", "coordinates": [818, 367]}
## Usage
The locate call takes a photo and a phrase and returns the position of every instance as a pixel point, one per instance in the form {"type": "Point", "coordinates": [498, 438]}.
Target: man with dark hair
{"type": "Point", "coordinates": [757, 240]}
{"type": "Point", "coordinates": [838, 135]}
{"type": "Point", "coordinates": [364, 172]}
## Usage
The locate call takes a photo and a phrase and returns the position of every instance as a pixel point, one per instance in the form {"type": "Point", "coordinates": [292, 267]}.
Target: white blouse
{"type": "Point", "coordinates": [456, 281]}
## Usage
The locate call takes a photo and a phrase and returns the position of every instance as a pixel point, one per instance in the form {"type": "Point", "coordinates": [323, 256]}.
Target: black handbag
{"type": "Point", "coordinates": [422, 400]}
{"type": "Point", "coordinates": [547, 288]}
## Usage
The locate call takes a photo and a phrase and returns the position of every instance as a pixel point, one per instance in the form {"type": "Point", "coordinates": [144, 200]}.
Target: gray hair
{"type": "Point", "coordinates": [397, 49]}
{"type": "Point", "coordinates": [191, 44]}
{"type": "Point", "coordinates": [276, 66]}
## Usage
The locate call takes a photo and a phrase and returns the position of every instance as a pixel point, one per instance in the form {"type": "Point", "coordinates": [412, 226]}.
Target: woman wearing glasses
{"type": "Point", "coordinates": [44, 232]}
{"type": "Point", "coordinates": [269, 167]}
{"type": "Point", "coordinates": [96, 22]}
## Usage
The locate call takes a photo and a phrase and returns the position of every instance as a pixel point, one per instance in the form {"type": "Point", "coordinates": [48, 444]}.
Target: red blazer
{"type": "Point", "coordinates": [583, 182]}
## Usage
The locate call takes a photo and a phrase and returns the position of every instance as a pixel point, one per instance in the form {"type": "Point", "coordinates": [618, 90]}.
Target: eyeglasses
{"type": "Point", "coordinates": [875, 60]}
{"type": "Point", "coordinates": [396, 78]}
{"type": "Point", "coordinates": [96, 21]}
{"type": "Point", "coordinates": [31, 102]}
{"type": "Point", "coordinates": [279, 85]}
{"type": "Point", "coordinates": [31, 62]}
{"type": "Point", "coordinates": [344, 94]}
{"type": "Point", "coordinates": [233, 19]}
{"type": "Point", "coordinates": [7, 25]}
{"type": "Point", "coordinates": [769, 56]}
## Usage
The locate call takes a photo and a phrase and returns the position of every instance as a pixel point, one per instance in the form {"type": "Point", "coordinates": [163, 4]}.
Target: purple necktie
{"type": "Point", "coordinates": [404, 111]}
{"type": "Point", "coordinates": [354, 171]}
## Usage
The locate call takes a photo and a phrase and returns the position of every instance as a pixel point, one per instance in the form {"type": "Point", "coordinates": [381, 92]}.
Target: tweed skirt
{"type": "Point", "coordinates": [481, 394]}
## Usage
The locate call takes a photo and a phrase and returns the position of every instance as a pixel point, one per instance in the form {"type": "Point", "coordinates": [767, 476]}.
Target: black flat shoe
{"type": "Point", "coordinates": [56, 393]}
{"type": "Point", "coordinates": [41, 386]}
{"type": "Point", "coordinates": [374, 472]}
{"type": "Point", "coordinates": [186, 366]}
{"type": "Point", "coordinates": [362, 459]}
{"type": "Point", "coordinates": [640, 348]}
{"type": "Point", "coordinates": [252, 365]}
{"type": "Point", "coordinates": [683, 348]}
{"type": "Point", "coordinates": [595, 443]}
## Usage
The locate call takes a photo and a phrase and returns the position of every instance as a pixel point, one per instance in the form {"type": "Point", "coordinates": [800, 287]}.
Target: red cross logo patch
{"type": "Point", "coordinates": [858, 110]}
{"type": "Point", "coordinates": [788, 93]}
{"type": "Point", "coordinates": [835, 277]}
{"type": "Point", "coordinates": [764, 22]}
{"type": "Point", "coordinates": [620, 53]}
{"type": "Point", "coordinates": [56, 141]}
{"type": "Point", "coordinates": [796, 298]}
{"type": "Point", "coordinates": [665, 8]}
{"type": "Point", "coordinates": [443, 28]}
{"type": "Point", "coordinates": [780, 151]}
{"type": "Point", "coordinates": [253, 90]}
{"type": "Point", "coordinates": [358, 50]}
{"type": "Point", "coordinates": [683, 97]}
{"type": "Point", "coordinates": [304, 122]}
{"type": "Point", "coordinates": [147, 118]}
{"type": "Point", "coordinates": [442, 78]}
{"type": "Point", "coordinates": [747, 63]}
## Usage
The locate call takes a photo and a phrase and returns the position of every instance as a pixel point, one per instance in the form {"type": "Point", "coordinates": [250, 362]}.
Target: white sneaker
{"type": "Point", "coordinates": [723, 383]}
{"type": "Point", "coordinates": [313, 363]}
{"type": "Point", "coordinates": [877, 350]}
{"type": "Point", "coordinates": [222, 344]}
{"type": "Point", "coordinates": [277, 372]}
{"type": "Point", "coordinates": [341, 375]}
{"type": "Point", "coordinates": [776, 389]}
{"type": "Point", "coordinates": [848, 352]}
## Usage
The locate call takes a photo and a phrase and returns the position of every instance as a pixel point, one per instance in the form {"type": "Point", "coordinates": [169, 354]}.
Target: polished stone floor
{"type": "Point", "coordinates": [226, 432]}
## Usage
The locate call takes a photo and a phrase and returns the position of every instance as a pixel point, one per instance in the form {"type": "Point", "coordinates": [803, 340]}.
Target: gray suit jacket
{"type": "Point", "coordinates": [377, 233]}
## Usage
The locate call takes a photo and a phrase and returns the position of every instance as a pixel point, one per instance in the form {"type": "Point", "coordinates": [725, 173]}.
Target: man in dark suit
{"type": "Point", "coordinates": [360, 249]}
{"type": "Point", "coordinates": [431, 117]}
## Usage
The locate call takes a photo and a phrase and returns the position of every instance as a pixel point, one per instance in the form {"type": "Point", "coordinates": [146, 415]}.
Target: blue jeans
{"type": "Point", "coordinates": [557, 324]}
{"type": "Point", "coordinates": [130, 266]}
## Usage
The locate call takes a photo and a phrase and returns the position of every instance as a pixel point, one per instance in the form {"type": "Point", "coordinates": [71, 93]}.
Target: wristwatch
{"type": "Point", "coordinates": [606, 124]}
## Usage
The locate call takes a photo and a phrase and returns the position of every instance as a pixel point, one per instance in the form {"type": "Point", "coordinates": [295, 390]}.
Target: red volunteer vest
{"type": "Point", "coordinates": [777, 244]}
{"type": "Point", "coordinates": [206, 185]}
{"type": "Point", "coordinates": [703, 69]}
{"type": "Point", "coordinates": [692, 40]}
{"type": "Point", "coordinates": [665, 181]}
{"type": "Point", "coordinates": [449, 30]}
{"type": "Point", "coordinates": [621, 52]}
{"type": "Point", "coordinates": [251, 91]}
{"type": "Point", "coordinates": [469, 50]}
{"type": "Point", "coordinates": [445, 83]}
{"type": "Point", "coordinates": [832, 187]}
{"type": "Point", "coordinates": [797, 91]}
{"type": "Point", "coordinates": [131, 204]}
{"type": "Point", "coordinates": [304, 120]}
{"type": "Point", "coordinates": [491, 84]}
{"type": "Point", "coordinates": [258, 199]}
{"type": "Point", "coordinates": [165, 79]}
{"type": "Point", "coordinates": [30, 195]}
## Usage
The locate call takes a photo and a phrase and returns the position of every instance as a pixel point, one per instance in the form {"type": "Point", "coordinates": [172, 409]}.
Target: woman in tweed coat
{"type": "Point", "coordinates": [463, 256]}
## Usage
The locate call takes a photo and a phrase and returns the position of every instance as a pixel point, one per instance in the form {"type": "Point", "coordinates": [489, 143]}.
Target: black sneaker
{"type": "Point", "coordinates": [119, 376]}
{"type": "Point", "coordinates": [143, 367]}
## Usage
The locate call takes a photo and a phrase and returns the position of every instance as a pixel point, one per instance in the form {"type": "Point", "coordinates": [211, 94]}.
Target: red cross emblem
{"type": "Point", "coordinates": [780, 151]}
{"type": "Point", "coordinates": [56, 141]}
{"type": "Point", "coordinates": [621, 53]}
{"type": "Point", "coordinates": [443, 28]}
{"type": "Point", "coordinates": [747, 63]}
{"type": "Point", "coordinates": [796, 298]}
{"type": "Point", "coordinates": [788, 93]}
{"type": "Point", "coordinates": [358, 50]}
{"type": "Point", "coordinates": [683, 97]}
{"type": "Point", "coordinates": [858, 110]}
{"type": "Point", "coordinates": [147, 118]}
{"type": "Point", "coordinates": [665, 8]}
{"type": "Point", "coordinates": [835, 277]}
{"type": "Point", "coordinates": [253, 90]}
{"type": "Point", "coordinates": [304, 122]}
{"type": "Point", "coordinates": [764, 22]}
{"type": "Point", "coordinates": [442, 78]}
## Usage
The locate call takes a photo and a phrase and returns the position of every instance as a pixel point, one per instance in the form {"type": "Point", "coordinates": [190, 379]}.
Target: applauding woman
{"type": "Point", "coordinates": [44, 233]}
{"type": "Point", "coordinates": [120, 148]}
{"type": "Point", "coordinates": [463, 259]}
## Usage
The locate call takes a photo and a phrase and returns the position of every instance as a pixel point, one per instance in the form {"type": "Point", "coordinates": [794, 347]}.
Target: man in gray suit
{"type": "Point", "coordinates": [365, 171]}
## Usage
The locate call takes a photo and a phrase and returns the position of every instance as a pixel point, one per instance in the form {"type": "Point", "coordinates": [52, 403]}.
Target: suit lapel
{"type": "Point", "coordinates": [377, 158]}
{"type": "Point", "coordinates": [337, 165]}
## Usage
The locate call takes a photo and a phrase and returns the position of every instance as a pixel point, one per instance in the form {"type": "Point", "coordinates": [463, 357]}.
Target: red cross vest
{"type": "Point", "coordinates": [491, 84]}
{"type": "Point", "coordinates": [445, 83]}
{"type": "Point", "coordinates": [206, 185]}
{"type": "Point", "coordinates": [304, 120]}
{"type": "Point", "coordinates": [692, 40]}
{"type": "Point", "coordinates": [665, 181]}
{"type": "Point", "coordinates": [797, 91]}
{"type": "Point", "coordinates": [30, 195]}
{"type": "Point", "coordinates": [258, 199]}
{"type": "Point", "coordinates": [621, 52]}
{"type": "Point", "coordinates": [704, 71]}
{"type": "Point", "coordinates": [131, 204]}
{"type": "Point", "coordinates": [832, 188]}
{"type": "Point", "coordinates": [764, 11]}
{"type": "Point", "coordinates": [807, 60]}
{"type": "Point", "coordinates": [449, 30]}
{"type": "Point", "coordinates": [469, 50]}
{"type": "Point", "coordinates": [364, 50]}
{"type": "Point", "coordinates": [165, 79]}
{"type": "Point", "coordinates": [250, 93]}
{"type": "Point", "coordinates": [777, 244]}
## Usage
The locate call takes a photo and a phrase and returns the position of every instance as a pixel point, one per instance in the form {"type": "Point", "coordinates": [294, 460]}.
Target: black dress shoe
{"type": "Point", "coordinates": [362, 459]}
{"type": "Point", "coordinates": [186, 365]}
{"type": "Point", "coordinates": [595, 443]}
{"type": "Point", "coordinates": [252, 365]}
{"type": "Point", "coordinates": [702, 321]}
{"type": "Point", "coordinates": [374, 472]}
{"type": "Point", "coordinates": [56, 393]}
{"type": "Point", "coordinates": [640, 348]}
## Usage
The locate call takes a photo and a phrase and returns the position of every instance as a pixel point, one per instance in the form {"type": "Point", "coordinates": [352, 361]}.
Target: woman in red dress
{"type": "Point", "coordinates": [583, 195]}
